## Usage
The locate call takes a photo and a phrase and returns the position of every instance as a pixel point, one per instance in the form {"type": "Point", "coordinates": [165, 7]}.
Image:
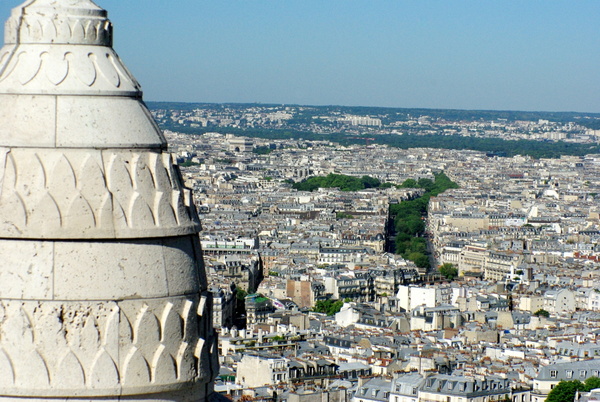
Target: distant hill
{"type": "Point", "coordinates": [296, 128]}
{"type": "Point", "coordinates": [590, 120]}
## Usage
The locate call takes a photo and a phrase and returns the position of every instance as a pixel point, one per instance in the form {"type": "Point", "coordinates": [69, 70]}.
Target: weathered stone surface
{"type": "Point", "coordinates": [103, 294]}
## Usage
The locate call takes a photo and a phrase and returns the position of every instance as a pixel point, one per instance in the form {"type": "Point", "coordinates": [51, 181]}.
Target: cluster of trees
{"type": "Point", "coordinates": [262, 150]}
{"type": "Point", "coordinates": [449, 271]}
{"type": "Point", "coordinates": [566, 390]}
{"type": "Point", "coordinates": [536, 149]}
{"type": "Point", "coordinates": [343, 182]}
{"type": "Point", "coordinates": [188, 163]}
{"type": "Point", "coordinates": [409, 218]}
{"type": "Point", "coordinates": [329, 307]}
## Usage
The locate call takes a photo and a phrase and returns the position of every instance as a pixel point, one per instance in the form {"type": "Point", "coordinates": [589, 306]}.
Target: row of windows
{"type": "Point", "coordinates": [570, 373]}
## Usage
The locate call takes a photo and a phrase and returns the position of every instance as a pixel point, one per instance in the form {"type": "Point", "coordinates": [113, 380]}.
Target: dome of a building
{"type": "Point", "coordinates": [103, 293]}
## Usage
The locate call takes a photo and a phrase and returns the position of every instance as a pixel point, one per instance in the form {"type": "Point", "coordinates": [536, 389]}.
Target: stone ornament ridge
{"type": "Point", "coordinates": [39, 56]}
{"type": "Point", "coordinates": [103, 293]}
{"type": "Point", "coordinates": [98, 194]}
{"type": "Point", "coordinates": [102, 346]}
{"type": "Point", "coordinates": [33, 69]}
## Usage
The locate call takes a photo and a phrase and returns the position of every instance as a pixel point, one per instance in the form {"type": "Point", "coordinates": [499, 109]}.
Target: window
{"type": "Point", "coordinates": [553, 373]}
{"type": "Point", "coordinates": [569, 373]}
{"type": "Point", "coordinates": [582, 373]}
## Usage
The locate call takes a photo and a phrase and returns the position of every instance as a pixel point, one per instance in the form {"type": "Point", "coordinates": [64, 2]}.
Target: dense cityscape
{"type": "Point", "coordinates": [321, 292]}
{"type": "Point", "coordinates": [271, 252]}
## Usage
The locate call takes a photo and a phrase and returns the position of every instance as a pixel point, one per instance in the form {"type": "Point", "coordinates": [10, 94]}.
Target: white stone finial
{"type": "Point", "coordinates": [59, 22]}
{"type": "Point", "coordinates": [39, 57]}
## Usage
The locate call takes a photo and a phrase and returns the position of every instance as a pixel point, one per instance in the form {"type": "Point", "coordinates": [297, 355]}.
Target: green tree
{"type": "Point", "coordinates": [592, 383]}
{"type": "Point", "coordinates": [188, 164]}
{"type": "Point", "coordinates": [370, 182]}
{"type": "Point", "coordinates": [565, 391]}
{"type": "Point", "coordinates": [449, 271]}
{"type": "Point", "coordinates": [542, 313]}
{"type": "Point", "coordinates": [241, 294]}
{"type": "Point", "coordinates": [420, 259]}
{"type": "Point", "coordinates": [262, 150]}
{"type": "Point", "coordinates": [409, 183]}
{"type": "Point", "coordinates": [408, 218]}
{"type": "Point", "coordinates": [329, 307]}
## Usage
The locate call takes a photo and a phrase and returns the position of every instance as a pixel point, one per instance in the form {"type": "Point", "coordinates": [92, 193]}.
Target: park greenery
{"type": "Point", "coordinates": [409, 218]}
{"type": "Point", "coordinates": [343, 182]}
{"type": "Point", "coordinates": [566, 390]}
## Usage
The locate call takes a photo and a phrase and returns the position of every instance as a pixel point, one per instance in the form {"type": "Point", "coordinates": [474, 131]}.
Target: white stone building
{"type": "Point", "coordinates": [259, 370]}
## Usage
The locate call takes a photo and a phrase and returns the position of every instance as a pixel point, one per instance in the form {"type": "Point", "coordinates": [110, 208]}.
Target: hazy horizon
{"type": "Point", "coordinates": [366, 106]}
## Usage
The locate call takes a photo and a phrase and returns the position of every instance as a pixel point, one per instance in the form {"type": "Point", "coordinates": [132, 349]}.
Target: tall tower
{"type": "Point", "coordinates": [103, 293]}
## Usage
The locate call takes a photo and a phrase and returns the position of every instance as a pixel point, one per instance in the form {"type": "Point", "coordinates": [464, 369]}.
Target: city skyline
{"type": "Point", "coordinates": [465, 55]}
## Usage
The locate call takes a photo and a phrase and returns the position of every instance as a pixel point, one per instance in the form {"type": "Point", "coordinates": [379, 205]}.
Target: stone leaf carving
{"type": "Point", "coordinates": [60, 69]}
{"type": "Point", "coordinates": [64, 194]}
{"type": "Point", "coordinates": [99, 347]}
{"type": "Point", "coordinates": [37, 29]}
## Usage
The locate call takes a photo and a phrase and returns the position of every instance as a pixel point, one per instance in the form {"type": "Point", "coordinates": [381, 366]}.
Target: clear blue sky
{"type": "Point", "coordinates": [463, 54]}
